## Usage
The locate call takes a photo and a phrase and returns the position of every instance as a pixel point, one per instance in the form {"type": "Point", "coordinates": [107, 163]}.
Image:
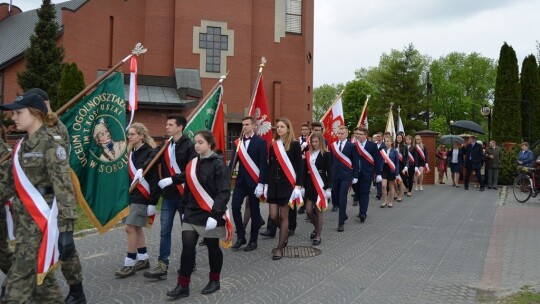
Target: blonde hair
{"type": "Point", "coordinates": [322, 143]}
{"type": "Point", "coordinates": [421, 144]}
{"type": "Point", "coordinates": [50, 119]}
{"type": "Point", "coordinates": [142, 130]}
{"type": "Point", "coordinates": [289, 137]}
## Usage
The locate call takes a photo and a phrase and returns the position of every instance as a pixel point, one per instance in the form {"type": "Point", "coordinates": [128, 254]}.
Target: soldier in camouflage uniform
{"type": "Point", "coordinates": [71, 264]}
{"type": "Point", "coordinates": [6, 255]}
{"type": "Point", "coordinates": [44, 161]}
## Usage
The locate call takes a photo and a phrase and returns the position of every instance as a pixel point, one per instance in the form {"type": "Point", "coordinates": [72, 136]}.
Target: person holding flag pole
{"type": "Point", "coordinates": [362, 123]}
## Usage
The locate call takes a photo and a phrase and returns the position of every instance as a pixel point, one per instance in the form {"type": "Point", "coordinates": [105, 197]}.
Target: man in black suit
{"type": "Point", "coordinates": [473, 161]}
{"type": "Point", "coordinates": [252, 156]}
{"type": "Point", "coordinates": [379, 141]}
{"type": "Point", "coordinates": [344, 172]}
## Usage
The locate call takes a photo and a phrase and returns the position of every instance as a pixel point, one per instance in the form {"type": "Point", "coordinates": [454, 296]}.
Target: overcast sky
{"type": "Point", "coordinates": [350, 34]}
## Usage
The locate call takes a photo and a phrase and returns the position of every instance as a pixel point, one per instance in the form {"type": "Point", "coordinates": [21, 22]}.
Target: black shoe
{"type": "Point", "coordinates": [75, 295]}
{"type": "Point", "coordinates": [302, 210]}
{"type": "Point", "coordinates": [202, 243]}
{"type": "Point", "coordinates": [291, 232]}
{"type": "Point", "coordinates": [211, 287]}
{"type": "Point", "coordinates": [378, 197]}
{"type": "Point", "coordinates": [466, 188]}
{"type": "Point", "coordinates": [316, 242]}
{"type": "Point", "coordinates": [481, 188]}
{"type": "Point", "coordinates": [355, 203]}
{"type": "Point", "coordinates": [251, 246]}
{"type": "Point", "coordinates": [268, 234]}
{"type": "Point", "coordinates": [312, 235]}
{"type": "Point", "coordinates": [238, 244]}
{"type": "Point", "coordinates": [489, 187]}
{"type": "Point", "coordinates": [363, 218]}
{"type": "Point", "coordinates": [334, 209]}
{"type": "Point", "coordinates": [495, 188]}
{"type": "Point", "coordinates": [340, 228]}
{"type": "Point", "coordinates": [178, 292]}
{"type": "Point", "coordinates": [346, 217]}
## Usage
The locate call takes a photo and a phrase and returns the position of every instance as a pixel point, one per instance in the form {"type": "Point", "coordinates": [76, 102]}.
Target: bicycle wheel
{"type": "Point", "coordinates": [522, 188]}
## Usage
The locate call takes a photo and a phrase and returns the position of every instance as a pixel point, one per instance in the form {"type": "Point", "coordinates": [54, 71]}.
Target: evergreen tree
{"type": "Point", "coordinates": [43, 57]}
{"type": "Point", "coordinates": [530, 93]}
{"type": "Point", "coordinates": [507, 104]}
{"type": "Point", "coordinates": [71, 83]}
{"type": "Point", "coordinates": [354, 97]}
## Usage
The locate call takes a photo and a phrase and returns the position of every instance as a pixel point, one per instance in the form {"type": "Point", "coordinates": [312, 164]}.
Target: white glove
{"type": "Point", "coordinates": [265, 190]}
{"type": "Point", "coordinates": [138, 175]}
{"type": "Point", "coordinates": [211, 223]}
{"type": "Point", "coordinates": [259, 190]}
{"type": "Point", "coordinates": [296, 193]}
{"type": "Point", "coordinates": [354, 180]}
{"type": "Point", "coordinates": [303, 145]}
{"type": "Point", "coordinates": [165, 182]}
{"type": "Point", "coordinates": [378, 179]}
{"type": "Point", "coordinates": [398, 179]}
{"type": "Point", "coordinates": [151, 210]}
{"type": "Point", "coordinates": [328, 193]}
{"type": "Point", "coordinates": [405, 170]}
{"type": "Point", "coordinates": [303, 192]}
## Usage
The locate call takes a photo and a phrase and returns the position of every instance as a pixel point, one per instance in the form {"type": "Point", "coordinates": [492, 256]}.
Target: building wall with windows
{"type": "Point", "coordinates": [213, 36]}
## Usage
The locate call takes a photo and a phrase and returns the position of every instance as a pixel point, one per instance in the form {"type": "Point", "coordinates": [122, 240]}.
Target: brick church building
{"type": "Point", "coordinates": [190, 45]}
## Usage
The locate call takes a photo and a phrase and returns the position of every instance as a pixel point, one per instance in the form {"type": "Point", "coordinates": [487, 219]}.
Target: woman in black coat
{"type": "Point", "coordinates": [403, 163]}
{"type": "Point", "coordinates": [317, 157]}
{"type": "Point", "coordinates": [284, 182]}
{"type": "Point", "coordinates": [208, 191]}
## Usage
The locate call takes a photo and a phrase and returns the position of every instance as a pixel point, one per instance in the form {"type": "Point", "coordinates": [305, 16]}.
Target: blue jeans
{"type": "Point", "coordinates": [169, 207]}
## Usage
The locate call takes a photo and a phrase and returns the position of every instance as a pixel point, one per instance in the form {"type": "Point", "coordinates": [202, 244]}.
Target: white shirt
{"type": "Point", "coordinates": [455, 153]}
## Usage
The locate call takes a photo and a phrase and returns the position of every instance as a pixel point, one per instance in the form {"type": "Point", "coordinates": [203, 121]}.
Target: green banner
{"type": "Point", "coordinates": [205, 116]}
{"type": "Point", "coordinates": [98, 154]}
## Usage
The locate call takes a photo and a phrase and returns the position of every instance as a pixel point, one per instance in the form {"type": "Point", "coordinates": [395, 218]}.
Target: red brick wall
{"type": "Point", "coordinates": [429, 138]}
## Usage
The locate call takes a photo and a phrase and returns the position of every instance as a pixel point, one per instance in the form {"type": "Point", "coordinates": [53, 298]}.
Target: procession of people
{"type": "Point", "coordinates": [305, 173]}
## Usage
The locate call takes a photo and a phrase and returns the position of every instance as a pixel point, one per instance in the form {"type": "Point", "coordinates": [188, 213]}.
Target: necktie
{"type": "Point", "coordinates": [340, 146]}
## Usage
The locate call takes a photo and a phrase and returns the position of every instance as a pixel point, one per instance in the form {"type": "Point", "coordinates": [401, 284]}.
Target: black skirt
{"type": "Point", "coordinates": [387, 173]}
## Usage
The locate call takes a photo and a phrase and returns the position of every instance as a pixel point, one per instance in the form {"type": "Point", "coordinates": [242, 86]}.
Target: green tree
{"type": "Point", "coordinates": [354, 97]}
{"type": "Point", "coordinates": [71, 83]}
{"type": "Point", "coordinates": [323, 96]}
{"type": "Point", "coordinates": [507, 104]}
{"type": "Point", "coordinates": [399, 79]}
{"type": "Point", "coordinates": [463, 84]}
{"type": "Point", "coordinates": [530, 93]}
{"type": "Point", "coordinates": [43, 58]}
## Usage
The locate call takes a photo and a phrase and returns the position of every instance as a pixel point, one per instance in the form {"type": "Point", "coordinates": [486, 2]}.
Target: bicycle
{"type": "Point", "coordinates": [524, 184]}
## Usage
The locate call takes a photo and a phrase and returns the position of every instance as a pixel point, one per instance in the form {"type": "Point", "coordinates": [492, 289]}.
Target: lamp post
{"type": "Point", "coordinates": [486, 111]}
{"type": "Point", "coordinates": [429, 87]}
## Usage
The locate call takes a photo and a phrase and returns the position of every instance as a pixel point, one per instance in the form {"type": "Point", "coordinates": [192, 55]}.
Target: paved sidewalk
{"type": "Point", "coordinates": [443, 245]}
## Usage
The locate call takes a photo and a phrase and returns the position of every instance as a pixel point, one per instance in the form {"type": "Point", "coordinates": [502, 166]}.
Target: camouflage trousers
{"type": "Point", "coordinates": [69, 257]}
{"type": "Point", "coordinates": [22, 277]}
{"type": "Point", "coordinates": [6, 255]}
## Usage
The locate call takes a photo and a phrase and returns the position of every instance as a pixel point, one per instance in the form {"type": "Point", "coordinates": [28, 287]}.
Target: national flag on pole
{"type": "Point", "coordinates": [363, 121]}
{"type": "Point", "coordinates": [259, 110]}
{"type": "Point", "coordinates": [206, 117]}
{"type": "Point", "coordinates": [400, 127]}
{"type": "Point", "coordinates": [98, 156]}
{"type": "Point", "coordinates": [219, 130]}
{"type": "Point", "coordinates": [390, 127]}
{"type": "Point", "coordinates": [133, 89]}
{"type": "Point", "coordinates": [332, 120]}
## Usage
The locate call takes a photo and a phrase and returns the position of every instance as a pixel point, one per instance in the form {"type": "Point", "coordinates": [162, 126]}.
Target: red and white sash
{"type": "Point", "coordinates": [411, 157]}
{"type": "Point", "coordinates": [172, 165]}
{"type": "Point", "coordinates": [205, 201]}
{"type": "Point", "coordinates": [287, 167]}
{"type": "Point", "coordinates": [46, 218]}
{"type": "Point", "coordinates": [143, 185]}
{"type": "Point", "coordinates": [387, 160]}
{"type": "Point", "coordinates": [364, 153]}
{"type": "Point", "coordinates": [400, 156]}
{"type": "Point", "coordinates": [421, 153]}
{"type": "Point", "coordinates": [318, 183]}
{"type": "Point", "coordinates": [247, 161]}
{"type": "Point", "coordinates": [340, 156]}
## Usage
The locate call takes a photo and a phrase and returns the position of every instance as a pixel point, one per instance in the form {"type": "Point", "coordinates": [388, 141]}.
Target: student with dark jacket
{"type": "Point", "coordinates": [208, 188]}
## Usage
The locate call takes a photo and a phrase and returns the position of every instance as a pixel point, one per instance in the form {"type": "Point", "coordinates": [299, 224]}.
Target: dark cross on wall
{"type": "Point", "coordinates": [214, 43]}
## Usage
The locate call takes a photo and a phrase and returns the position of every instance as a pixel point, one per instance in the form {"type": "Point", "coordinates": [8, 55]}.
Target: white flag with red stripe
{"type": "Point", "coordinates": [133, 90]}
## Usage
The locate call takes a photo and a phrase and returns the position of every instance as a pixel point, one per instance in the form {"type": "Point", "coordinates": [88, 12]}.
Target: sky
{"type": "Point", "coordinates": [353, 34]}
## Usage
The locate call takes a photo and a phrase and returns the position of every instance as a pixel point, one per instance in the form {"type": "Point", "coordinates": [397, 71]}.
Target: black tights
{"type": "Point", "coordinates": [187, 260]}
{"type": "Point", "coordinates": [315, 216]}
{"type": "Point", "coordinates": [280, 214]}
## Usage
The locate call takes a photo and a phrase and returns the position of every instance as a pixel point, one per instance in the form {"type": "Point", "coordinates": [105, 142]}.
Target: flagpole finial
{"type": "Point", "coordinates": [223, 77]}
{"type": "Point", "coordinates": [398, 108]}
{"type": "Point", "coordinates": [139, 49]}
{"type": "Point", "coordinates": [391, 105]}
{"type": "Point", "coordinates": [368, 96]}
{"type": "Point", "coordinates": [262, 64]}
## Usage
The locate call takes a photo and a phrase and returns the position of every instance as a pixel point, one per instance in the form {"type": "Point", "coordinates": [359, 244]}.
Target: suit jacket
{"type": "Point", "coordinates": [474, 156]}
{"type": "Point", "coordinates": [402, 149]}
{"type": "Point", "coordinates": [459, 156]}
{"type": "Point", "coordinates": [393, 155]}
{"type": "Point", "coordinates": [494, 163]}
{"type": "Point", "coordinates": [279, 186]}
{"type": "Point", "coordinates": [366, 168]}
{"type": "Point", "coordinates": [526, 157]}
{"type": "Point", "coordinates": [323, 163]}
{"type": "Point", "coordinates": [259, 154]}
{"type": "Point", "coordinates": [340, 172]}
